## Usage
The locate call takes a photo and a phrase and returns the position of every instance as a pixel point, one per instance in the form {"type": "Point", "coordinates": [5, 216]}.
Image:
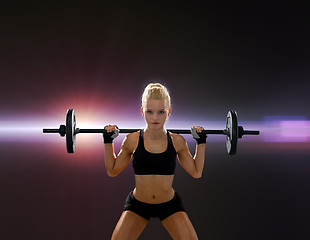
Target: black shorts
{"type": "Point", "coordinates": [160, 210]}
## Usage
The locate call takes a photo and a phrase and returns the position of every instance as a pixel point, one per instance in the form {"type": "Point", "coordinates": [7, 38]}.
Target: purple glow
{"type": "Point", "coordinates": [295, 131]}
{"type": "Point", "coordinates": [286, 129]}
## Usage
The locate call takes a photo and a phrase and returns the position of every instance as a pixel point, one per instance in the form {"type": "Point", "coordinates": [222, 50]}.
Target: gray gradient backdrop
{"type": "Point", "coordinates": [97, 58]}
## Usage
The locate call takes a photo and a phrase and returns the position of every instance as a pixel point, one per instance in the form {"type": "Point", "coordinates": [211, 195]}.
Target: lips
{"type": "Point", "coordinates": [155, 123]}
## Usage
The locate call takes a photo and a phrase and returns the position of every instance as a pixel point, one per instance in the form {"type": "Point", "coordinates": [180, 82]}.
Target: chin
{"type": "Point", "coordinates": [159, 126]}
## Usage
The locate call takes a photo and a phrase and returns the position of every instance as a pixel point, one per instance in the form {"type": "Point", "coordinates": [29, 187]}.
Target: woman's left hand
{"type": "Point", "coordinates": [200, 137]}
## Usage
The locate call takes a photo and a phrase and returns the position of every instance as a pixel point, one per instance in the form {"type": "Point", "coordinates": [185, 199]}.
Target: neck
{"type": "Point", "coordinates": [155, 132]}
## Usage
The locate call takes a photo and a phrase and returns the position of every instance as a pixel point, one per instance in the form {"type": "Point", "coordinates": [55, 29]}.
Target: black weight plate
{"type": "Point", "coordinates": [232, 132]}
{"type": "Point", "coordinates": [70, 131]}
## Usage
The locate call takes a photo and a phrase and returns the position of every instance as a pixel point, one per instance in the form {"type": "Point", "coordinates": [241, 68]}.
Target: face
{"type": "Point", "coordinates": [156, 113]}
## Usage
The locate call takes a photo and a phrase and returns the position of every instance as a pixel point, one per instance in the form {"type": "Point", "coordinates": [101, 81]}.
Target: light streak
{"type": "Point", "coordinates": [273, 129]}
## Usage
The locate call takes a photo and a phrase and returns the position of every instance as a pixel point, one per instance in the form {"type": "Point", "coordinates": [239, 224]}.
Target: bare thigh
{"type": "Point", "coordinates": [180, 226]}
{"type": "Point", "coordinates": [129, 226]}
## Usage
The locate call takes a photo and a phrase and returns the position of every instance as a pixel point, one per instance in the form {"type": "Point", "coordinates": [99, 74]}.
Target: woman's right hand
{"type": "Point", "coordinates": [111, 133]}
{"type": "Point", "coordinates": [110, 128]}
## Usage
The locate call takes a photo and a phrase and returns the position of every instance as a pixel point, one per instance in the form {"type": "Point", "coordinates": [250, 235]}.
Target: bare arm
{"type": "Point", "coordinates": [116, 164]}
{"type": "Point", "coordinates": [193, 165]}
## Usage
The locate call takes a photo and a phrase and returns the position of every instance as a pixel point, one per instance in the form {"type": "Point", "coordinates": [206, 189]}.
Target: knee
{"type": "Point", "coordinates": [185, 234]}
{"type": "Point", "coordinates": [122, 236]}
{"type": "Point", "coordinates": [190, 236]}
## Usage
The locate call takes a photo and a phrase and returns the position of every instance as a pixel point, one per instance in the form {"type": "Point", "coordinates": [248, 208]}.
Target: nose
{"type": "Point", "coordinates": [155, 117]}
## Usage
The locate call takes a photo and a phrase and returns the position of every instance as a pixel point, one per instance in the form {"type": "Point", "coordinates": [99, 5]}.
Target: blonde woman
{"type": "Point", "coordinates": [154, 152]}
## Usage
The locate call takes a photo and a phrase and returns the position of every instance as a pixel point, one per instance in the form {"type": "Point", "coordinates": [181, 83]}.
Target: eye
{"type": "Point", "coordinates": [161, 112]}
{"type": "Point", "coordinates": [148, 111]}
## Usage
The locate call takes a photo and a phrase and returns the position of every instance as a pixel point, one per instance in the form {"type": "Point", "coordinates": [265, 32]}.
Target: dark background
{"type": "Point", "coordinates": [97, 59]}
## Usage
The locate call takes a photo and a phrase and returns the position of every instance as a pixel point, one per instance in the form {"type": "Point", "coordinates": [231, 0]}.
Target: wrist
{"type": "Point", "coordinates": [200, 141]}
{"type": "Point", "coordinates": [107, 140]}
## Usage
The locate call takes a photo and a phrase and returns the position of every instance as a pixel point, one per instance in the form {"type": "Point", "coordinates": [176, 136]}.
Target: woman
{"type": "Point", "coordinates": [154, 152]}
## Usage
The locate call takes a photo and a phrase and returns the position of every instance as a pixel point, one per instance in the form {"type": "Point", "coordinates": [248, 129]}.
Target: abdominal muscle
{"type": "Point", "coordinates": [154, 189]}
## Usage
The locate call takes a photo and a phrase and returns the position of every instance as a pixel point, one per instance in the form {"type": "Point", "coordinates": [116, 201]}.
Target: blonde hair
{"type": "Point", "coordinates": [155, 91]}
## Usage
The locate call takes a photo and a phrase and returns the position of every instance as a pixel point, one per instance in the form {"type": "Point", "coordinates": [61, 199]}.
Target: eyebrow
{"type": "Point", "coordinates": [158, 110]}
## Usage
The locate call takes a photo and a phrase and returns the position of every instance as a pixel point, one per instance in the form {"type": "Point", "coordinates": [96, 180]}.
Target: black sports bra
{"type": "Point", "coordinates": [147, 163]}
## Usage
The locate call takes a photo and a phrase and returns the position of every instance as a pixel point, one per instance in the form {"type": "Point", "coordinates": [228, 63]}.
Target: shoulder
{"type": "Point", "coordinates": [178, 141]}
{"type": "Point", "coordinates": [131, 141]}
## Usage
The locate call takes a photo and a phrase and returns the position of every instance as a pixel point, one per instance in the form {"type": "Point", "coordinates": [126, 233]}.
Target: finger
{"type": "Point", "coordinates": [198, 129]}
{"type": "Point", "coordinates": [108, 128]}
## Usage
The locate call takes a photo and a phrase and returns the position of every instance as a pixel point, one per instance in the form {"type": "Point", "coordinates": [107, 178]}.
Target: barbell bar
{"type": "Point", "coordinates": [232, 131]}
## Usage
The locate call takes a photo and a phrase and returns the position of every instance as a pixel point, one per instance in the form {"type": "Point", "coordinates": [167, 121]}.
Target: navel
{"type": "Point", "coordinates": [153, 196]}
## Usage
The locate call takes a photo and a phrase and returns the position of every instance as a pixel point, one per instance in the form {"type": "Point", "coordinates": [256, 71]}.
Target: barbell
{"type": "Point", "coordinates": [232, 131]}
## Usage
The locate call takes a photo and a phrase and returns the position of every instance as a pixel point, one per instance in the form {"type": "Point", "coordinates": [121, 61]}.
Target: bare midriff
{"type": "Point", "coordinates": [154, 189]}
